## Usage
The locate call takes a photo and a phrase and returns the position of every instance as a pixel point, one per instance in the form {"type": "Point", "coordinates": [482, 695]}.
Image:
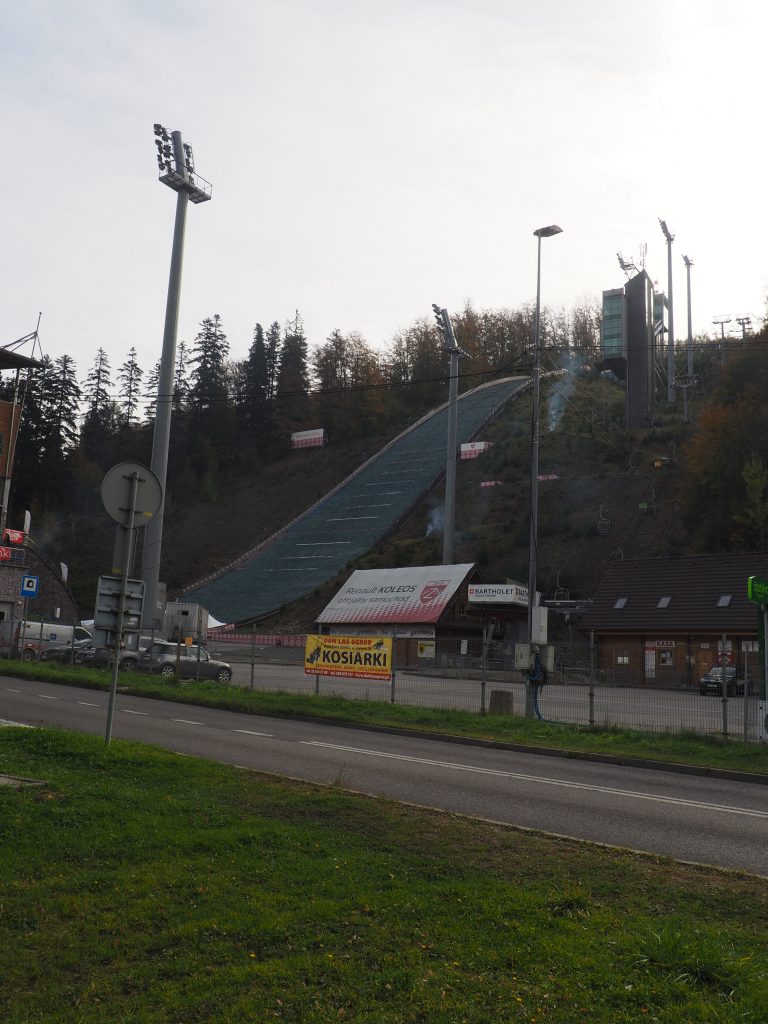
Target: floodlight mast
{"type": "Point", "coordinates": [671, 336]}
{"type": "Point", "coordinates": [176, 166]}
{"type": "Point", "coordinates": [455, 352]}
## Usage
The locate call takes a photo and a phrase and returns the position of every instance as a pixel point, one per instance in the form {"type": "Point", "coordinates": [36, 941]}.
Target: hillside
{"type": "Point", "coordinates": [589, 453]}
{"type": "Point", "coordinates": [604, 499]}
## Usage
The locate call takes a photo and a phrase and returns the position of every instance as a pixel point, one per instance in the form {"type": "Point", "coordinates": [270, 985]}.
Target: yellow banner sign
{"type": "Point", "coordinates": [354, 657]}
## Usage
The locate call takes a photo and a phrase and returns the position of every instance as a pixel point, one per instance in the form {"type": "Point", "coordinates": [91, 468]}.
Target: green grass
{"type": "Point", "coordinates": [676, 747]}
{"type": "Point", "coordinates": [140, 886]}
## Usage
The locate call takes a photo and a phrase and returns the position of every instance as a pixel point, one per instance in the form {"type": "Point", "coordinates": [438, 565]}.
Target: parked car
{"type": "Point", "coordinates": [128, 660]}
{"type": "Point", "coordinates": [62, 653]}
{"type": "Point", "coordinates": [163, 657]}
{"type": "Point", "coordinates": [712, 682]}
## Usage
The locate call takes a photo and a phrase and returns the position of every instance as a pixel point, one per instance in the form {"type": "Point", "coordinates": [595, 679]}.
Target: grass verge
{"type": "Point", "coordinates": [137, 885]}
{"type": "Point", "coordinates": [678, 747]}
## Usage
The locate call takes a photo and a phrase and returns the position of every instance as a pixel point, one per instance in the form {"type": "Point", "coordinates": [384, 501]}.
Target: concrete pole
{"type": "Point", "coordinates": [153, 537]}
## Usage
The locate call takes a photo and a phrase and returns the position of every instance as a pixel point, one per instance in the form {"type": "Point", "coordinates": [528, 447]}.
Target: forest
{"type": "Point", "coordinates": [231, 415]}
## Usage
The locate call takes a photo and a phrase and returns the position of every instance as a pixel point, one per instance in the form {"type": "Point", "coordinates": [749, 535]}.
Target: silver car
{"type": "Point", "coordinates": [192, 662]}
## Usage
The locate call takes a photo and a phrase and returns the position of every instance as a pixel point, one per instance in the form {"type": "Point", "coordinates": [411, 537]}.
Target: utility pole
{"type": "Point", "coordinates": [671, 336]}
{"type": "Point", "coordinates": [449, 345]}
{"type": "Point", "coordinates": [177, 171]}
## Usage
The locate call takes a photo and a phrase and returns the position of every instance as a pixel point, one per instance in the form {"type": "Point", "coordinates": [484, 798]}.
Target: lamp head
{"type": "Point", "coordinates": [547, 232]}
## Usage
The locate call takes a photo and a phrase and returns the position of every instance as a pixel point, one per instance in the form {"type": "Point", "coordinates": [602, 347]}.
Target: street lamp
{"type": "Point", "coordinates": [688, 265]}
{"type": "Point", "coordinates": [177, 170]}
{"type": "Point", "coordinates": [671, 335]}
{"type": "Point", "coordinates": [455, 352]}
{"type": "Point", "coordinates": [546, 232]}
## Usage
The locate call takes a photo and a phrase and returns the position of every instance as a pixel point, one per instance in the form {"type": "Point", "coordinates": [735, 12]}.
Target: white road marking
{"type": "Point", "coordinates": [9, 690]}
{"type": "Point", "coordinates": [678, 801]}
{"type": "Point", "coordinates": [86, 704]}
{"type": "Point", "coordinates": [185, 721]}
{"type": "Point", "coordinates": [247, 732]}
{"type": "Point", "coordinates": [144, 714]}
{"type": "Point", "coordinates": [46, 696]}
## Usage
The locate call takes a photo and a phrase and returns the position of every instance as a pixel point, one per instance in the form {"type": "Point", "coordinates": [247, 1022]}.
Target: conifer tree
{"type": "Point", "coordinates": [129, 375]}
{"type": "Point", "coordinates": [293, 374]}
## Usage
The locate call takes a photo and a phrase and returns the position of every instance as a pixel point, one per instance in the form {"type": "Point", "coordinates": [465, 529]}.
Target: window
{"type": "Point", "coordinates": [665, 658]}
{"type": "Point", "coordinates": [620, 602]}
{"type": "Point", "coordinates": [664, 602]}
{"type": "Point", "coordinates": [724, 600]}
{"type": "Point", "coordinates": [622, 658]}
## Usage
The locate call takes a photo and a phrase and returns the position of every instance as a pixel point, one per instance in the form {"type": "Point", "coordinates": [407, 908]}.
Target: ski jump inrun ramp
{"type": "Point", "coordinates": [353, 517]}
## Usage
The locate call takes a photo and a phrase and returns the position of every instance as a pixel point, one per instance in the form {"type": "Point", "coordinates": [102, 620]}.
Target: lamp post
{"type": "Point", "coordinates": [671, 336]}
{"type": "Point", "coordinates": [540, 233]}
{"type": "Point", "coordinates": [688, 265]}
{"type": "Point", "coordinates": [177, 171]}
{"type": "Point", "coordinates": [455, 352]}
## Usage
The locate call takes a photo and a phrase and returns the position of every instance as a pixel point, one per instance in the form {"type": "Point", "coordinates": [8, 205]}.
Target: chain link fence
{"type": "Point", "coordinates": [635, 686]}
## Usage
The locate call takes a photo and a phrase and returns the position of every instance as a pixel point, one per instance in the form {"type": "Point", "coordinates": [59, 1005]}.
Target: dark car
{"type": "Point", "coordinates": [62, 653]}
{"type": "Point", "coordinates": [192, 662]}
{"type": "Point", "coordinates": [712, 682]}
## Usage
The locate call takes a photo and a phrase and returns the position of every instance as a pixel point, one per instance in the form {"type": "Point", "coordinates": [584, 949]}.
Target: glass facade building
{"type": "Point", "coordinates": [613, 327]}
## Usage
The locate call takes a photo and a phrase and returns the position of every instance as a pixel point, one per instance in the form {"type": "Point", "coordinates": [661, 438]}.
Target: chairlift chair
{"type": "Point", "coordinates": [603, 523]}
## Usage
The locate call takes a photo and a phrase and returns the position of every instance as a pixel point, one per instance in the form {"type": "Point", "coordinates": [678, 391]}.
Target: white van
{"type": "Point", "coordinates": [25, 640]}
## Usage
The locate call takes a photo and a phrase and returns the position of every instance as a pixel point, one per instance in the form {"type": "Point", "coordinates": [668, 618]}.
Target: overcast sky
{"type": "Point", "coordinates": [371, 158]}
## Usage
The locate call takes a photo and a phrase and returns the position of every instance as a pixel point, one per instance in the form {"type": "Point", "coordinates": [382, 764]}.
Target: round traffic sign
{"type": "Point", "coordinates": [116, 493]}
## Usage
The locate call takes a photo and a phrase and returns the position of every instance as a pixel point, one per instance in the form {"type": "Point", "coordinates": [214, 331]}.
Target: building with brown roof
{"type": "Point", "coordinates": [663, 620]}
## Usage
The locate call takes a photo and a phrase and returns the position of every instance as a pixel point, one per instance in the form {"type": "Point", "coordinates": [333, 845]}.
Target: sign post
{"type": "Point", "coordinates": [127, 491]}
{"type": "Point", "coordinates": [757, 593]}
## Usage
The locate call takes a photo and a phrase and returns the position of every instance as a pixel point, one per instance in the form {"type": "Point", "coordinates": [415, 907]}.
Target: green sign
{"type": "Point", "coordinates": [757, 589]}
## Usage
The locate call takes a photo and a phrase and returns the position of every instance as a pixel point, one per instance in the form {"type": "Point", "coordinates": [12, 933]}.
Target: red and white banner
{"type": "Point", "coordinates": [5, 554]}
{"type": "Point", "coordinates": [308, 438]}
{"type": "Point", "coordinates": [412, 594]}
{"type": "Point", "coordinates": [474, 449]}
{"type": "Point", "coordinates": [13, 536]}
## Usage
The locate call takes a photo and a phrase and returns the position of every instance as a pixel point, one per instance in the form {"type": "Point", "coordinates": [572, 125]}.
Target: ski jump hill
{"type": "Point", "coordinates": [352, 518]}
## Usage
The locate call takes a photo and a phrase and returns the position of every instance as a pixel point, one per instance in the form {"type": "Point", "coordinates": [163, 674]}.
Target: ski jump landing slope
{"type": "Point", "coordinates": [351, 518]}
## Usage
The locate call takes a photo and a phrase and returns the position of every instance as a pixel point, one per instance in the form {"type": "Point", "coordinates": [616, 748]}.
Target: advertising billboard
{"type": "Point", "coordinates": [474, 448]}
{"type": "Point", "coordinates": [497, 593]}
{"type": "Point", "coordinates": [413, 594]}
{"type": "Point", "coordinates": [352, 657]}
{"type": "Point", "coordinates": [308, 438]}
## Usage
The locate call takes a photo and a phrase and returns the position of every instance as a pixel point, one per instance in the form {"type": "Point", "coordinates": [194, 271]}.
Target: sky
{"type": "Point", "coordinates": [369, 159]}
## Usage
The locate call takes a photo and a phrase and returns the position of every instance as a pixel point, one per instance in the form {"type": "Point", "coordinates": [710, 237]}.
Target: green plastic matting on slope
{"type": "Point", "coordinates": [352, 518]}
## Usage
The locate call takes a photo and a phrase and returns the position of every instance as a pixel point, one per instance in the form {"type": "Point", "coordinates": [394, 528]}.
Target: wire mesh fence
{"type": "Point", "coordinates": [634, 686]}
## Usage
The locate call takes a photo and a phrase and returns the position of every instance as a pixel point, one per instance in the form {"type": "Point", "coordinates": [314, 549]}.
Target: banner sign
{"type": "Point", "coordinates": [497, 593]}
{"type": "Point", "coordinates": [474, 448]}
{"type": "Point", "coordinates": [5, 554]}
{"type": "Point", "coordinates": [13, 537]}
{"type": "Point", "coordinates": [412, 594]}
{"type": "Point", "coordinates": [353, 657]}
{"type": "Point", "coordinates": [308, 438]}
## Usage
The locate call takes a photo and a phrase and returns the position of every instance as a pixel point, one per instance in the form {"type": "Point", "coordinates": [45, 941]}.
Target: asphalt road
{"type": "Point", "coordinates": [691, 818]}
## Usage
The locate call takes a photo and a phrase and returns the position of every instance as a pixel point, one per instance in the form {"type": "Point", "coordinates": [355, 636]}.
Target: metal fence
{"type": "Point", "coordinates": [587, 685]}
